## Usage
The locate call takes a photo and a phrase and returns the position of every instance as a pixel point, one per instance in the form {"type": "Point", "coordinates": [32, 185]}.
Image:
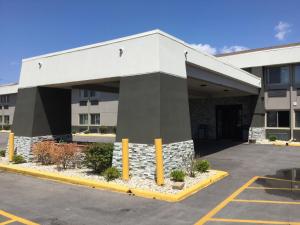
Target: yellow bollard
{"type": "Point", "coordinates": [159, 162]}
{"type": "Point", "coordinates": [125, 159]}
{"type": "Point", "coordinates": [11, 146]}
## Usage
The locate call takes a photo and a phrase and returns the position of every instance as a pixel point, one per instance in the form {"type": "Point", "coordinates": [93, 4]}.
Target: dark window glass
{"type": "Point", "coordinates": [83, 103]}
{"type": "Point", "coordinates": [272, 119]}
{"type": "Point", "coordinates": [95, 119]}
{"type": "Point", "coordinates": [297, 118]}
{"type": "Point", "coordinates": [6, 119]}
{"type": "Point", "coordinates": [0, 106]}
{"type": "Point", "coordinates": [6, 107]}
{"type": "Point", "coordinates": [4, 98]}
{"type": "Point", "coordinates": [297, 74]}
{"type": "Point", "coordinates": [94, 102]}
{"type": "Point", "coordinates": [1, 119]}
{"type": "Point", "coordinates": [278, 75]}
{"type": "Point", "coordinates": [92, 93]}
{"type": "Point", "coordinates": [278, 119]}
{"type": "Point", "coordinates": [283, 119]}
{"type": "Point", "coordinates": [83, 119]}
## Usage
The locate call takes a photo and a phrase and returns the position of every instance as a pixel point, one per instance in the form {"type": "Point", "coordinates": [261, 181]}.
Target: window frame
{"type": "Point", "coordinates": [269, 86]}
{"type": "Point", "coordinates": [94, 114]}
{"type": "Point", "coordinates": [5, 121]}
{"type": "Point", "coordinates": [87, 118]}
{"type": "Point", "coordinates": [86, 103]}
{"type": "Point", "coordinates": [277, 121]}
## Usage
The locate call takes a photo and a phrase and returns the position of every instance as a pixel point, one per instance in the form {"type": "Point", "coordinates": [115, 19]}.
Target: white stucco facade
{"type": "Point", "coordinates": [149, 52]}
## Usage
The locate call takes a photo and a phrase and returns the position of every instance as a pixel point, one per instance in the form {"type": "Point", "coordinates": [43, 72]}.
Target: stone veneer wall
{"type": "Point", "coordinates": [23, 145]}
{"type": "Point", "coordinates": [257, 133]}
{"type": "Point", "coordinates": [142, 158]}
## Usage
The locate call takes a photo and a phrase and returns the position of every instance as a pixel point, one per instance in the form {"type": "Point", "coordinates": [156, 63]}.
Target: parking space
{"type": "Point", "coordinates": [262, 200]}
{"type": "Point", "coordinates": [7, 218]}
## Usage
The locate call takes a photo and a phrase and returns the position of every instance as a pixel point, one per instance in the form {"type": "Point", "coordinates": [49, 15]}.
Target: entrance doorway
{"type": "Point", "coordinates": [229, 122]}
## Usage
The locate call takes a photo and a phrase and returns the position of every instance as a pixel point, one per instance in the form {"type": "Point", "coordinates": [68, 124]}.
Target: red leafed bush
{"type": "Point", "coordinates": [41, 152]}
{"type": "Point", "coordinates": [64, 155]}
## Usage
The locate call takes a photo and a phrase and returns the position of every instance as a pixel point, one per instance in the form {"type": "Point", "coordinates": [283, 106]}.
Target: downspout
{"type": "Point", "coordinates": [291, 111]}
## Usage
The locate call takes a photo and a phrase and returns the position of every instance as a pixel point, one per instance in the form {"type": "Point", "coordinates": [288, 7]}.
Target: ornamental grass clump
{"type": "Point", "coordinates": [178, 175]}
{"type": "Point", "coordinates": [202, 166]}
{"type": "Point", "coordinates": [111, 173]}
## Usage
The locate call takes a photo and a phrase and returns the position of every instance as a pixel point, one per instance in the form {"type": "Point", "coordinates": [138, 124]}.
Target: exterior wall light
{"type": "Point", "coordinates": [40, 65]}
{"type": "Point", "coordinates": [121, 51]}
{"type": "Point", "coordinates": [185, 54]}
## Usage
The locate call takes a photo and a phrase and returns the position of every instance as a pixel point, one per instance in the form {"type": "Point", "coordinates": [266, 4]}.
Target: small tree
{"type": "Point", "coordinates": [64, 155]}
{"type": "Point", "coordinates": [42, 152]}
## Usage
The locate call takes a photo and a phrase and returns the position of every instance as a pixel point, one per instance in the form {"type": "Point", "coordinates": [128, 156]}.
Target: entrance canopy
{"type": "Point", "coordinates": [144, 53]}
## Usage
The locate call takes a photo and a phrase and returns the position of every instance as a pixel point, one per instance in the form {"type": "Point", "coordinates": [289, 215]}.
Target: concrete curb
{"type": "Point", "coordinates": [115, 187]}
{"type": "Point", "coordinates": [285, 143]}
{"type": "Point", "coordinates": [183, 194]}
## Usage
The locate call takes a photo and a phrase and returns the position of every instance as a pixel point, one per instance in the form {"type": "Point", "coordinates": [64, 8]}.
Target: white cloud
{"type": "Point", "coordinates": [234, 48]}
{"type": "Point", "coordinates": [282, 29]}
{"type": "Point", "coordinates": [205, 48]}
{"type": "Point", "coordinates": [213, 50]}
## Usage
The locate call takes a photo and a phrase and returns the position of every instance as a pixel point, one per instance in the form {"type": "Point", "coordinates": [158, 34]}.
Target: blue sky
{"type": "Point", "coordinates": [31, 27]}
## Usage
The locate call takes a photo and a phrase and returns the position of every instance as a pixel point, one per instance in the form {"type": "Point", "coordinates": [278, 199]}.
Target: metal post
{"type": "Point", "coordinates": [125, 159]}
{"type": "Point", "coordinates": [11, 146]}
{"type": "Point", "coordinates": [159, 162]}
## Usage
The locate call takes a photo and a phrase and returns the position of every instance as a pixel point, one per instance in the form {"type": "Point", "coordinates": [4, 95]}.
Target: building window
{"type": "Point", "coordinates": [84, 93]}
{"type": "Point", "coordinates": [95, 119]}
{"type": "Point", "coordinates": [1, 120]}
{"type": "Point", "coordinates": [278, 75]}
{"type": "Point", "coordinates": [6, 119]}
{"type": "Point", "coordinates": [278, 119]}
{"type": "Point", "coordinates": [297, 74]}
{"type": "Point", "coordinates": [4, 98]}
{"type": "Point", "coordinates": [92, 93]}
{"type": "Point", "coordinates": [83, 103]}
{"type": "Point", "coordinates": [5, 107]}
{"type": "Point", "coordinates": [94, 102]}
{"type": "Point", "coordinates": [83, 119]}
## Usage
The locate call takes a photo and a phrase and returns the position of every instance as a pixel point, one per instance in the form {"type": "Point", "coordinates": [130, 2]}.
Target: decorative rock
{"type": "Point", "coordinates": [178, 185]}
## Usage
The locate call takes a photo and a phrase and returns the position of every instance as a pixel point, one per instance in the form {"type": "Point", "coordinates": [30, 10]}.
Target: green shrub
{"type": "Point", "coordinates": [111, 173]}
{"type": "Point", "coordinates": [18, 159]}
{"type": "Point", "coordinates": [2, 153]}
{"type": "Point", "coordinates": [202, 166]}
{"type": "Point", "coordinates": [98, 156]}
{"type": "Point", "coordinates": [177, 175]}
{"type": "Point", "coordinates": [272, 138]}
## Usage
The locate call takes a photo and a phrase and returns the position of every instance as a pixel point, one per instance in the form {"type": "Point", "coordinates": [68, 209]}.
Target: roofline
{"type": "Point", "coordinates": [259, 49]}
{"type": "Point", "coordinates": [9, 84]}
{"type": "Point", "coordinates": [130, 37]}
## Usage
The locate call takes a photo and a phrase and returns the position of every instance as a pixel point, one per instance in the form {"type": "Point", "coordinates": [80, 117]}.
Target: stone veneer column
{"type": "Point", "coordinates": [153, 106]}
{"type": "Point", "coordinates": [41, 113]}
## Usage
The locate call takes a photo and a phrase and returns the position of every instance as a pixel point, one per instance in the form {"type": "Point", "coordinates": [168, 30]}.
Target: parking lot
{"type": "Point", "coordinates": [262, 200]}
{"type": "Point", "coordinates": [259, 190]}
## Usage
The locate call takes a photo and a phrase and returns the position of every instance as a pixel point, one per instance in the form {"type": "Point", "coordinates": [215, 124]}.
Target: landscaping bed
{"type": "Point", "coordinates": [93, 163]}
